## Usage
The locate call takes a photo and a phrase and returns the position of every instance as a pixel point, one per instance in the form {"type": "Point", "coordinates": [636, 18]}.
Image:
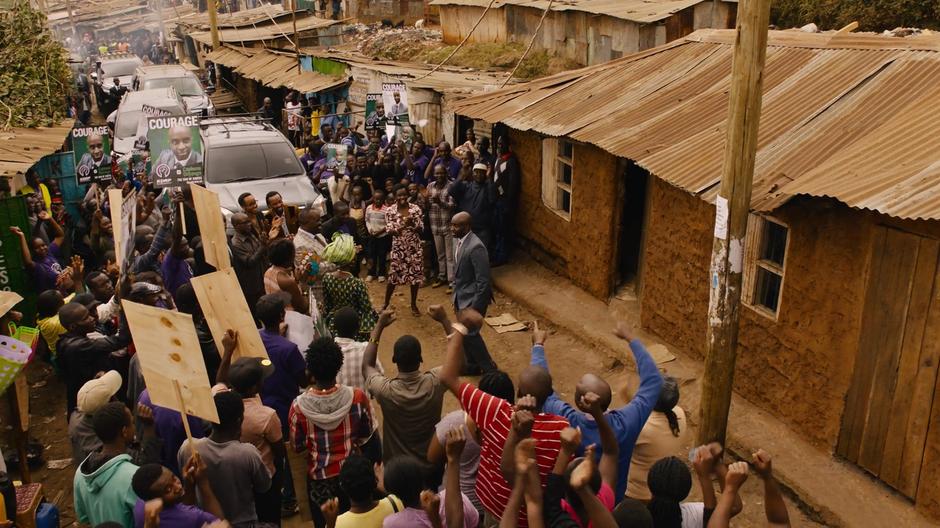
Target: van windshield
{"type": "Point", "coordinates": [251, 162]}
{"type": "Point", "coordinates": [185, 86]}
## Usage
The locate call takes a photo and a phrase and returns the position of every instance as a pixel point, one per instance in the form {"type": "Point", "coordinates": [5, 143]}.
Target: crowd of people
{"type": "Point", "coordinates": [516, 453]}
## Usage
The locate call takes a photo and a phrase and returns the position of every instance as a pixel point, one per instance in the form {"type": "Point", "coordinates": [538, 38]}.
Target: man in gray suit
{"type": "Point", "coordinates": [180, 154]}
{"type": "Point", "coordinates": [472, 289]}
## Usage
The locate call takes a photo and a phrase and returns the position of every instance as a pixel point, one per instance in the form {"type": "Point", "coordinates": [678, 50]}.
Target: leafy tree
{"type": "Point", "coordinates": [872, 15]}
{"type": "Point", "coordinates": [34, 75]}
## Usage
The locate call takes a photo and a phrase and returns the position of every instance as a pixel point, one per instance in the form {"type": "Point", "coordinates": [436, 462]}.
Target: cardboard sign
{"type": "Point", "coordinates": [124, 225]}
{"type": "Point", "coordinates": [170, 358]}
{"type": "Point", "coordinates": [177, 140]}
{"type": "Point", "coordinates": [395, 97]}
{"type": "Point", "coordinates": [211, 227]}
{"type": "Point", "coordinates": [225, 308]}
{"type": "Point", "coordinates": [375, 112]}
{"type": "Point", "coordinates": [91, 150]}
{"type": "Point", "coordinates": [335, 158]}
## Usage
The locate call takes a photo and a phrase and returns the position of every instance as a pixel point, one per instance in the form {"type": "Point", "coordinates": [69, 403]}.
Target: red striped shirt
{"type": "Point", "coordinates": [493, 417]}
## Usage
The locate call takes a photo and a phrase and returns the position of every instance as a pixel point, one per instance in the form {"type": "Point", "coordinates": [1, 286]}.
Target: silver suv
{"type": "Point", "coordinates": [245, 154]}
{"type": "Point", "coordinates": [185, 82]}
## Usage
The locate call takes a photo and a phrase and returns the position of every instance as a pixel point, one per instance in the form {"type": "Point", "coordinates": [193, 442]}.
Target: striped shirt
{"type": "Point", "coordinates": [328, 449]}
{"type": "Point", "coordinates": [493, 417]}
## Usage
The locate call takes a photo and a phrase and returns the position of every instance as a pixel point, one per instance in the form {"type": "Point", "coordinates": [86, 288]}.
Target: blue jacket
{"type": "Point", "coordinates": [627, 421]}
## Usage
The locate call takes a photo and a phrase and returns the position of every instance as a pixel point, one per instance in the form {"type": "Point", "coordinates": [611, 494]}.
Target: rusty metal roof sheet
{"type": "Point", "coordinates": [272, 69]}
{"type": "Point", "coordinates": [447, 79]}
{"type": "Point", "coordinates": [269, 31]}
{"type": "Point", "coordinates": [641, 11]}
{"type": "Point", "coordinates": [851, 117]}
{"type": "Point", "coordinates": [20, 148]}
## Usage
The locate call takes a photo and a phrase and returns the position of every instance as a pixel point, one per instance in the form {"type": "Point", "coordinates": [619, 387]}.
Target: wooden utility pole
{"type": "Point", "coordinates": [68, 7]}
{"type": "Point", "coordinates": [213, 23]}
{"type": "Point", "coordinates": [732, 208]}
{"type": "Point", "coordinates": [293, 16]}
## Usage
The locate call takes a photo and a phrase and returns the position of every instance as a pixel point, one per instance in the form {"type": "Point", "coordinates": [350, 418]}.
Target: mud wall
{"type": "Point", "coordinates": [582, 249]}
{"type": "Point", "coordinates": [798, 366]}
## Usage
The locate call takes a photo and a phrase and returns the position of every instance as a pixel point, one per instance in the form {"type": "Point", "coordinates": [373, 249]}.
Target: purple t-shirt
{"type": "Point", "coordinates": [47, 270]}
{"type": "Point", "coordinates": [416, 175]}
{"type": "Point", "coordinates": [168, 427]}
{"type": "Point", "coordinates": [415, 518]}
{"type": "Point", "coordinates": [176, 516]}
{"type": "Point", "coordinates": [176, 272]}
{"type": "Point", "coordinates": [281, 388]}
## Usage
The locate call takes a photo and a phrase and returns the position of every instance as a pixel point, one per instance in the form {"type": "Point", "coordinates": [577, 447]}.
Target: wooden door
{"type": "Point", "coordinates": [889, 402]}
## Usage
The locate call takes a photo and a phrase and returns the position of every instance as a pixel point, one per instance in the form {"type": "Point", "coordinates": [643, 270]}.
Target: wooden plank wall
{"type": "Point", "coordinates": [457, 21]}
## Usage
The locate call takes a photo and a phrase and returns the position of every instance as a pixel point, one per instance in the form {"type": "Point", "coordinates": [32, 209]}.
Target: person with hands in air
{"type": "Point", "coordinates": [404, 476]}
{"type": "Point", "coordinates": [626, 422]}
{"type": "Point", "coordinates": [774, 506]}
{"type": "Point", "coordinates": [177, 498]}
{"type": "Point", "coordinates": [706, 462]}
{"type": "Point", "coordinates": [40, 259]}
{"type": "Point", "coordinates": [411, 401]}
{"type": "Point", "coordinates": [734, 479]}
{"type": "Point", "coordinates": [526, 489]}
{"type": "Point", "coordinates": [493, 415]}
{"type": "Point", "coordinates": [577, 478]}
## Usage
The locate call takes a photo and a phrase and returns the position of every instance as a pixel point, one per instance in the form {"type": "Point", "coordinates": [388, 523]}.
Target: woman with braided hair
{"type": "Point", "coordinates": [663, 434]}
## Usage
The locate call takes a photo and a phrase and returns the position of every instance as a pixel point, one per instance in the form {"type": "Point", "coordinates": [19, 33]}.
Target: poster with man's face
{"type": "Point", "coordinates": [395, 99]}
{"type": "Point", "coordinates": [175, 141]}
{"type": "Point", "coordinates": [91, 149]}
{"type": "Point", "coordinates": [375, 112]}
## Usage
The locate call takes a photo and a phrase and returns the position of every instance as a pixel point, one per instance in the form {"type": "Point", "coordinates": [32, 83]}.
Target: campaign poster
{"type": "Point", "coordinates": [375, 112]}
{"type": "Point", "coordinates": [91, 148]}
{"type": "Point", "coordinates": [175, 141]}
{"type": "Point", "coordinates": [336, 157]}
{"type": "Point", "coordinates": [395, 98]}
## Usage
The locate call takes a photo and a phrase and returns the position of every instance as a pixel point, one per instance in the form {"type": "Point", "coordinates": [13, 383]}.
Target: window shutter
{"type": "Point", "coordinates": [751, 247]}
{"type": "Point", "coordinates": [549, 151]}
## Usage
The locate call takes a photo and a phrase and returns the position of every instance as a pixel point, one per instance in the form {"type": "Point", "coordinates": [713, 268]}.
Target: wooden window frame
{"type": "Point", "coordinates": [553, 184]}
{"type": "Point", "coordinates": [753, 263]}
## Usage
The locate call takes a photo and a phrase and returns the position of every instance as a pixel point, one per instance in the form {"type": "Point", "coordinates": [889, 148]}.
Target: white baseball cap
{"type": "Point", "coordinates": [480, 166]}
{"type": "Point", "coordinates": [98, 392]}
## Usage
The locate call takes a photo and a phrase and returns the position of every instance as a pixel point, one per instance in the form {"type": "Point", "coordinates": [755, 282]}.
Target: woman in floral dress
{"type": "Point", "coordinates": [342, 288]}
{"type": "Point", "coordinates": [406, 261]}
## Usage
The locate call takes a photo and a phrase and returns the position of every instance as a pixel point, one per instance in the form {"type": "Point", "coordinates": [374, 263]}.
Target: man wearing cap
{"type": "Point", "coordinates": [92, 396]}
{"type": "Point", "coordinates": [478, 199]}
{"type": "Point", "coordinates": [260, 426]}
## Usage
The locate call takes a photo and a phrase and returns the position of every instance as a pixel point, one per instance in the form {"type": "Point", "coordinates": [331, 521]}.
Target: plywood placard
{"type": "Point", "coordinates": [211, 227]}
{"type": "Point", "coordinates": [169, 352]}
{"type": "Point", "coordinates": [8, 300]}
{"type": "Point", "coordinates": [224, 306]}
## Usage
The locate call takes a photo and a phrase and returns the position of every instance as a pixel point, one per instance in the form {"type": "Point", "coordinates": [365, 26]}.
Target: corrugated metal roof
{"type": "Point", "coordinates": [852, 117]}
{"type": "Point", "coordinates": [447, 79]}
{"type": "Point", "coordinates": [265, 32]}
{"type": "Point", "coordinates": [642, 11]}
{"type": "Point", "coordinates": [260, 15]}
{"type": "Point", "coordinates": [272, 69]}
{"type": "Point", "coordinates": [20, 148]}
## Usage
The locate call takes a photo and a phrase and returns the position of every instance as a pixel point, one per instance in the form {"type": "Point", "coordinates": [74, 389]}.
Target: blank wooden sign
{"type": "Point", "coordinates": [169, 352]}
{"type": "Point", "coordinates": [211, 227]}
{"type": "Point", "coordinates": [224, 306]}
{"type": "Point", "coordinates": [8, 300]}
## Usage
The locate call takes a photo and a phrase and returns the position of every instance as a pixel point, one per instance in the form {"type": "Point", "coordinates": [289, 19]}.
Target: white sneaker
{"type": "Point", "coordinates": [381, 278]}
{"type": "Point", "coordinates": [370, 278]}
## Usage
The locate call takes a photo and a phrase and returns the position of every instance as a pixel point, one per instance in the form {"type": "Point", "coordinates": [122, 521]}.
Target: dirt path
{"type": "Point", "coordinates": [569, 355]}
